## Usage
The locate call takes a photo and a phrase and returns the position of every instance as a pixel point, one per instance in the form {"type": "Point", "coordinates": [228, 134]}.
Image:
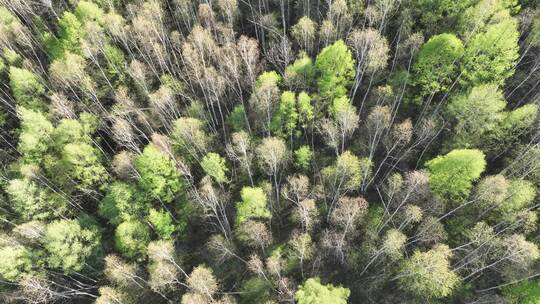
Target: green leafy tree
{"type": "Point", "coordinates": [27, 88]}
{"type": "Point", "coordinates": [526, 292]}
{"type": "Point", "coordinates": [306, 112]}
{"type": "Point", "coordinates": [335, 65]}
{"type": "Point", "coordinates": [131, 238]}
{"type": "Point", "coordinates": [162, 222]}
{"type": "Point", "coordinates": [12, 57]}
{"type": "Point", "coordinates": [303, 157]}
{"type": "Point", "coordinates": [256, 290]}
{"type": "Point", "coordinates": [301, 73]}
{"type": "Point", "coordinates": [215, 166]}
{"type": "Point", "coordinates": [71, 29]}
{"type": "Point", "coordinates": [35, 137]}
{"type": "Point", "coordinates": [121, 203]}
{"type": "Point", "coordinates": [82, 162]}
{"type": "Point", "coordinates": [313, 292]}
{"type": "Point", "coordinates": [534, 35]}
{"type": "Point", "coordinates": [428, 275]}
{"type": "Point", "coordinates": [70, 131]}
{"type": "Point", "coordinates": [477, 115]}
{"type": "Point", "coordinates": [70, 246]}
{"type": "Point", "coordinates": [437, 14]}
{"type": "Point", "coordinates": [16, 262]}
{"type": "Point", "coordinates": [70, 33]}
{"type": "Point", "coordinates": [285, 117]}
{"type": "Point", "coordinates": [518, 120]}
{"type": "Point", "coordinates": [491, 55]}
{"type": "Point", "coordinates": [87, 11]}
{"type": "Point", "coordinates": [451, 175]}
{"type": "Point", "coordinates": [158, 174]}
{"type": "Point", "coordinates": [115, 64]}
{"type": "Point", "coordinates": [437, 63]}
{"type": "Point", "coordinates": [32, 202]}
{"type": "Point", "coordinates": [520, 195]}
{"type": "Point", "coordinates": [484, 12]}
{"type": "Point", "coordinates": [268, 78]}
{"type": "Point", "coordinates": [237, 118]}
{"type": "Point", "coordinates": [253, 205]}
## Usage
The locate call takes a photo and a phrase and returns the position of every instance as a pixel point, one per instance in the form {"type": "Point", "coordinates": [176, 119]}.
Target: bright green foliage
{"type": "Point", "coordinates": [82, 162]}
{"type": "Point", "coordinates": [253, 205]}
{"type": "Point", "coordinates": [69, 35]}
{"type": "Point", "coordinates": [87, 11]}
{"type": "Point", "coordinates": [301, 73]}
{"type": "Point", "coordinates": [71, 29]}
{"type": "Point", "coordinates": [479, 117]}
{"type": "Point", "coordinates": [341, 105]}
{"type": "Point", "coordinates": [237, 118]}
{"type": "Point", "coordinates": [32, 202]}
{"type": "Point", "coordinates": [109, 210]}
{"type": "Point", "coordinates": [526, 292]}
{"type": "Point", "coordinates": [268, 77]}
{"type": "Point", "coordinates": [169, 81]}
{"type": "Point", "coordinates": [115, 63]}
{"type": "Point", "coordinates": [285, 117]}
{"type": "Point", "coordinates": [428, 275]}
{"type": "Point", "coordinates": [215, 166]}
{"type": "Point", "coordinates": [131, 238]}
{"type": "Point", "coordinates": [122, 203]}
{"type": "Point", "coordinates": [484, 12]}
{"type": "Point", "coordinates": [162, 223]}
{"type": "Point", "coordinates": [519, 119]}
{"type": "Point", "coordinates": [303, 157]}
{"type": "Point", "coordinates": [305, 109]}
{"type": "Point", "coordinates": [12, 58]}
{"type": "Point", "coordinates": [521, 194]}
{"type": "Point", "coordinates": [26, 88]}
{"type": "Point", "coordinates": [70, 131]}
{"type": "Point", "coordinates": [491, 56]}
{"type": "Point", "coordinates": [313, 292]}
{"type": "Point", "coordinates": [336, 67]}
{"type": "Point", "coordinates": [70, 246]}
{"type": "Point", "coordinates": [16, 262]}
{"type": "Point", "coordinates": [158, 174]}
{"type": "Point", "coordinates": [436, 65]}
{"type": "Point", "coordinates": [35, 137]}
{"type": "Point", "coordinates": [451, 175]}
{"type": "Point", "coordinates": [476, 114]}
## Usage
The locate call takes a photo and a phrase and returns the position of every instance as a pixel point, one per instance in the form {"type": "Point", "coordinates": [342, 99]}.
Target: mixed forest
{"type": "Point", "coordinates": [269, 151]}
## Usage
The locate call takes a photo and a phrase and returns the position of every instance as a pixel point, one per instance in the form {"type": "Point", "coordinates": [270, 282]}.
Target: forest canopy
{"type": "Point", "coordinates": [269, 151]}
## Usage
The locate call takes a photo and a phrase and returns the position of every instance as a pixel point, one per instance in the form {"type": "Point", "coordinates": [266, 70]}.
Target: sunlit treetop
{"type": "Point", "coordinates": [451, 175]}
